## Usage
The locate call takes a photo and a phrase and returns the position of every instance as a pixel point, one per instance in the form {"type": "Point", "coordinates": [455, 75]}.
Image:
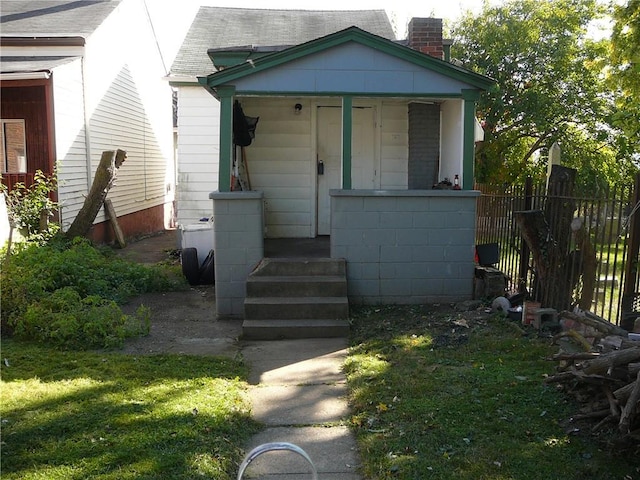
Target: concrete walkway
{"type": "Point", "coordinates": [299, 392]}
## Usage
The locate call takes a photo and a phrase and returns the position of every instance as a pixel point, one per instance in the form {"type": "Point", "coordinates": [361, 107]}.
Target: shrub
{"type": "Point", "coordinates": [31, 208]}
{"type": "Point", "coordinates": [69, 294]}
{"type": "Point", "coordinates": [66, 319]}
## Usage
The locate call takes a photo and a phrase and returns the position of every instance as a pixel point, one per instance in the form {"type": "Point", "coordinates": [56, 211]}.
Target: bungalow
{"type": "Point", "coordinates": [354, 130]}
{"type": "Point", "coordinates": [79, 78]}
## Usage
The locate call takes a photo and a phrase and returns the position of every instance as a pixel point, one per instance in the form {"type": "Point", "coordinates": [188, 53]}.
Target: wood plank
{"type": "Point", "coordinates": [113, 220]}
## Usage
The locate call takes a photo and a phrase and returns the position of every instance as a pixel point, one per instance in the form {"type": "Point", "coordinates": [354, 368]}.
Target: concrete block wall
{"type": "Point", "coordinates": [239, 247]}
{"type": "Point", "coordinates": [405, 246]}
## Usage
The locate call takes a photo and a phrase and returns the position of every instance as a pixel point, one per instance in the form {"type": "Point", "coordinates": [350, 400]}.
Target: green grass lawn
{"type": "Point", "coordinates": [438, 396]}
{"type": "Point", "coordinates": [434, 396]}
{"type": "Point", "coordinates": [80, 415]}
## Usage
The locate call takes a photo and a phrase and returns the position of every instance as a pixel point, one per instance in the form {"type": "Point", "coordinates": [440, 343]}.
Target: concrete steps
{"type": "Point", "coordinates": [297, 286]}
{"type": "Point", "coordinates": [297, 298]}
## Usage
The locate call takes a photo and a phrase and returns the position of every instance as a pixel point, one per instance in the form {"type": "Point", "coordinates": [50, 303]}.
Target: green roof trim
{"type": "Point", "coordinates": [351, 34]}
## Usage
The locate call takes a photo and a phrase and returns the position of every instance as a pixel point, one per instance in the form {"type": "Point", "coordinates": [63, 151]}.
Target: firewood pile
{"type": "Point", "coordinates": [598, 364]}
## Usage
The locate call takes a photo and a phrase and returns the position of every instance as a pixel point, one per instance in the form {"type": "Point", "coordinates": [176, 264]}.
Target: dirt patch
{"type": "Point", "coordinates": [184, 322]}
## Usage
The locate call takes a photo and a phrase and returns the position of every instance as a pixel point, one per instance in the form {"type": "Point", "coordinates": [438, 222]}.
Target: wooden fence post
{"type": "Point", "coordinates": [523, 270]}
{"type": "Point", "coordinates": [548, 235]}
{"type": "Point", "coordinates": [631, 266]}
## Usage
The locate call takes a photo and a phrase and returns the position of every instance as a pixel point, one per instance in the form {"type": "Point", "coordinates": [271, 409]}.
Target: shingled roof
{"type": "Point", "coordinates": [53, 18]}
{"type": "Point", "coordinates": [217, 27]}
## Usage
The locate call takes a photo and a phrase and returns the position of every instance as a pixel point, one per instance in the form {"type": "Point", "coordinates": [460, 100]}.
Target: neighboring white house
{"type": "Point", "coordinates": [79, 78]}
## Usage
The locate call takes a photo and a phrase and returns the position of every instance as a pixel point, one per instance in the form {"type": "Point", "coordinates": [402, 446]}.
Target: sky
{"type": "Point", "coordinates": [172, 18]}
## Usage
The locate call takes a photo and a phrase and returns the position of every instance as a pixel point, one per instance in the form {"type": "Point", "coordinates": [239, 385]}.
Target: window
{"type": "Point", "coordinates": [13, 153]}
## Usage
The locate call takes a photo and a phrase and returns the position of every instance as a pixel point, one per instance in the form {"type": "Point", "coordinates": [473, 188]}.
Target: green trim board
{"type": "Point", "coordinates": [226, 95]}
{"type": "Point", "coordinates": [352, 34]}
{"type": "Point", "coordinates": [347, 129]}
{"type": "Point", "coordinates": [340, 94]}
{"type": "Point", "coordinates": [470, 98]}
{"type": "Point", "coordinates": [231, 56]}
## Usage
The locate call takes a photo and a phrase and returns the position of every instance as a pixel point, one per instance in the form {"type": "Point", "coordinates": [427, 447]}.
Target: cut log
{"type": "Point", "coordinates": [630, 410]}
{"type": "Point", "coordinates": [580, 340]}
{"type": "Point", "coordinates": [623, 393]}
{"type": "Point", "coordinates": [612, 359]}
{"type": "Point", "coordinates": [596, 322]}
{"type": "Point", "coordinates": [549, 259]}
{"type": "Point", "coordinates": [561, 377]}
{"type": "Point", "coordinates": [548, 235]}
{"type": "Point", "coordinates": [576, 356]}
{"type": "Point", "coordinates": [605, 382]}
{"type": "Point", "coordinates": [103, 181]}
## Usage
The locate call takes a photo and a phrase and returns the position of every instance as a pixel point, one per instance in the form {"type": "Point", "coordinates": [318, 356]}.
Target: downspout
{"type": "Point", "coordinates": [468, 143]}
{"type": "Point", "coordinates": [347, 128]}
{"type": "Point", "coordinates": [87, 133]}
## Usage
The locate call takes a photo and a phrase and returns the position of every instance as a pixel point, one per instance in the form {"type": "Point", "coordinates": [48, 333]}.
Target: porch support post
{"type": "Point", "coordinates": [468, 147]}
{"type": "Point", "coordinates": [225, 94]}
{"type": "Point", "coordinates": [347, 128]}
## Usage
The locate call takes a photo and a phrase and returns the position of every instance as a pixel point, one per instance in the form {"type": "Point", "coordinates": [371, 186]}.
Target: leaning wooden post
{"type": "Point", "coordinates": [548, 234]}
{"type": "Point", "coordinates": [103, 181]}
{"type": "Point", "coordinates": [561, 204]}
{"type": "Point", "coordinates": [525, 252]}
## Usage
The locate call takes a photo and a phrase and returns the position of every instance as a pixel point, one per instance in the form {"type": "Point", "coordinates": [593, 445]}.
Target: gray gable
{"type": "Point", "coordinates": [216, 27]}
{"type": "Point", "coordinates": [53, 18]}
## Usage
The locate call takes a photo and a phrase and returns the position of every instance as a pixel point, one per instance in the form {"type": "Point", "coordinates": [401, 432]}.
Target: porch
{"type": "Point", "coordinates": [399, 247]}
{"type": "Point", "coordinates": [354, 132]}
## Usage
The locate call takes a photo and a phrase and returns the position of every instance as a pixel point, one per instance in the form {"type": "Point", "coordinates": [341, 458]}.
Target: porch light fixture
{"type": "Point", "coordinates": [297, 109]}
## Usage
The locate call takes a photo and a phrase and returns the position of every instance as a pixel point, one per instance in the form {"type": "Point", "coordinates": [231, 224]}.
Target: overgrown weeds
{"type": "Point", "coordinates": [442, 394]}
{"type": "Point", "coordinates": [68, 294]}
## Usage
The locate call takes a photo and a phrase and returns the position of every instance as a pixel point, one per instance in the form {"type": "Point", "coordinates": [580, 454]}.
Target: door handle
{"type": "Point", "coordinates": [320, 167]}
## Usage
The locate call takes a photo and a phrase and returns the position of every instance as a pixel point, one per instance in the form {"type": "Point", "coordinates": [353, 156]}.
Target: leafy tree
{"type": "Point", "coordinates": [625, 71]}
{"type": "Point", "coordinates": [550, 87]}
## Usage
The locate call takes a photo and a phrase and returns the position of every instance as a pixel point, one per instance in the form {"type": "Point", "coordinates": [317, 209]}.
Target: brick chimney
{"type": "Point", "coordinates": [425, 35]}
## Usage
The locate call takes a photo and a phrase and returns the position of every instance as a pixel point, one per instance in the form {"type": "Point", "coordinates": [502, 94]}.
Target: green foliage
{"type": "Point", "coordinates": [624, 74]}
{"type": "Point", "coordinates": [68, 294]}
{"type": "Point", "coordinates": [30, 208]}
{"type": "Point", "coordinates": [66, 319]}
{"type": "Point", "coordinates": [551, 88]}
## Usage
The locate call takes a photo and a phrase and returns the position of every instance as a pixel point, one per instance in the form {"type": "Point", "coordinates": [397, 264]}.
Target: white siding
{"type": "Point", "coordinates": [198, 153]}
{"type": "Point", "coordinates": [129, 107]}
{"type": "Point", "coordinates": [70, 139]}
{"type": "Point", "coordinates": [280, 162]}
{"type": "Point", "coordinates": [394, 139]}
{"type": "Point", "coordinates": [452, 138]}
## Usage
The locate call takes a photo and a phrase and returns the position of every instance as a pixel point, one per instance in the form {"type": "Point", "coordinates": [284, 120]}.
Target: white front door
{"type": "Point", "coordinates": [329, 147]}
